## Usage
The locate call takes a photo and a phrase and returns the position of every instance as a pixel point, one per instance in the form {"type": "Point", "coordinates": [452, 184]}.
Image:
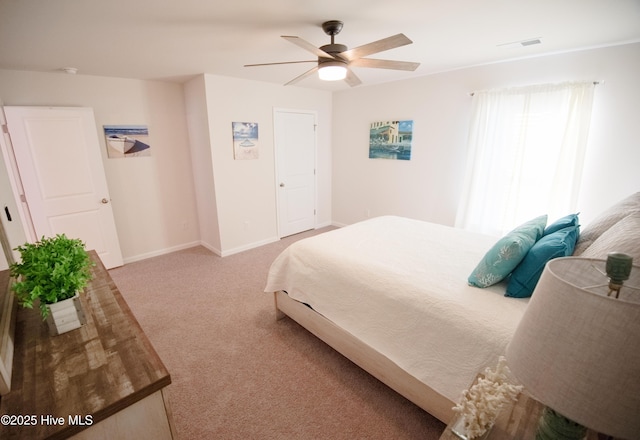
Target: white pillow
{"type": "Point", "coordinates": [606, 220]}
{"type": "Point", "coordinates": [623, 237]}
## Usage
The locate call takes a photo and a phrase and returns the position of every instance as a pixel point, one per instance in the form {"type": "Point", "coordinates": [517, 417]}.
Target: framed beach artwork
{"type": "Point", "coordinates": [127, 141]}
{"type": "Point", "coordinates": [245, 140]}
{"type": "Point", "coordinates": [390, 140]}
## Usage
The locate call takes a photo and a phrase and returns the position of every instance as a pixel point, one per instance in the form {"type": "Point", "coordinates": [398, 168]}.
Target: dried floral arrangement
{"type": "Point", "coordinates": [481, 404]}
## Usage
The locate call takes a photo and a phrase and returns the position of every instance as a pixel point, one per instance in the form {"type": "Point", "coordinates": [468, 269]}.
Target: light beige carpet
{"type": "Point", "coordinates": [237, 373]}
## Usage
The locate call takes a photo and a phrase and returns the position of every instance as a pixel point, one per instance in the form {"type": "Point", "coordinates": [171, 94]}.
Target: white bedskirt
{"type": "Point", "coordinates": [400, 286]}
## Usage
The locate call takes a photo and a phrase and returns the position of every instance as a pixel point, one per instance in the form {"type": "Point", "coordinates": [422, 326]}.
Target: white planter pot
{"type": "Point", "coordinates": [65, 315]}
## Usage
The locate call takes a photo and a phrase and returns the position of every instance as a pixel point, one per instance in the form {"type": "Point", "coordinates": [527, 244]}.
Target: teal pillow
{"type": "Point", "coordinates": [505, 255]}
{"type": "Point", "coordinates": [524, 278]}
{"type": "Point", "coordinates": [561, 223]}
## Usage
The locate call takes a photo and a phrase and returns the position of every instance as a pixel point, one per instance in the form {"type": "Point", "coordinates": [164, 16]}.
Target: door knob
{"type": "Point", "coordinates": [104, 201]}
{"type": "Point", "coordinates": [281, 185]}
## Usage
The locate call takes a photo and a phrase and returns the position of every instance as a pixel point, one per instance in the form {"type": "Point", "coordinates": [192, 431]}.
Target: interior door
{"type": "Point", "coordinates": [58, 157]}
{"type": "Point", "coordinates": [295, 144]}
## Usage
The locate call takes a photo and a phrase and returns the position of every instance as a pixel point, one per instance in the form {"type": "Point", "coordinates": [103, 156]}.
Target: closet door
{"type": "Point", "coordinates": [58, 157]}
{"type": "Point", "coordinates": [295, 145]}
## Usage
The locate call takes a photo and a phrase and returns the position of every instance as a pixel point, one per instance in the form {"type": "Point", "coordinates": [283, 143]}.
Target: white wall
{"type": "Point", "coordinates": [428, 186]}
{"type": "Point", "coordinates": [245, 190]}
{"type": "Point", "coordinates": [156, 205]}
{"type": "Point", "coordinates": [202, 163]}
{"type": "Point", "coordinates": [153, 197]}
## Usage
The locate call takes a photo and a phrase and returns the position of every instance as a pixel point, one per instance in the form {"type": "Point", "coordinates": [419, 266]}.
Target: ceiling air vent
{"type": "Point", "coordinates": [521, 43]}
{"type": "Point", "coordinates": [531, 42]}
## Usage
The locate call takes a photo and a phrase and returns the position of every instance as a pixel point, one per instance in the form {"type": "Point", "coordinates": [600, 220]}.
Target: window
{"type": "Point", "coordinates": [525, 156]}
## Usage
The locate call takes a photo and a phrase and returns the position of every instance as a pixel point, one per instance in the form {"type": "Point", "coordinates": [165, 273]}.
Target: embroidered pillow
{"type": "Point", "coordinates": [505, 255]}
{"type": "Point", "coordinates": [525, 277]}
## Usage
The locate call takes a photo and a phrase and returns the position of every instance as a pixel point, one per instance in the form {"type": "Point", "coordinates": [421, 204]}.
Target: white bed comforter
{"type": "Point", "coordinates": [400, 286]}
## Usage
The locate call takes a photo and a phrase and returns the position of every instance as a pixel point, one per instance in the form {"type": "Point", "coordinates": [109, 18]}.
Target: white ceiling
{"type": "Point", "coordinates": [176, 39]}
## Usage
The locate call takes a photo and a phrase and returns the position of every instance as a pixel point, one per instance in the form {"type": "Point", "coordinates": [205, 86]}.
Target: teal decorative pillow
{"type": "Point", "coordinates": [505, 255]}
{"type": "Point", "coordinates": [561, 223]}
{"type": "Point", "coordinates": [525, 277]}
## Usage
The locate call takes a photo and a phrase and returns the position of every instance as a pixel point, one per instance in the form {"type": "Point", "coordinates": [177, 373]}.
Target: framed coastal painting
{"type": "Point", "coordinates": [245, 140]}
{"type": "Point", "coordinates": [390, 140]}
{"type": "Point", "coordinates": [127, 141]}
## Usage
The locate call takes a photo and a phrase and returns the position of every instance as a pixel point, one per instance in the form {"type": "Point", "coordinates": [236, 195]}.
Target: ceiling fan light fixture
{"type": "Point", "coordinates": [332, 71]}
{"type": "Point", "coordinates": [334, 59]}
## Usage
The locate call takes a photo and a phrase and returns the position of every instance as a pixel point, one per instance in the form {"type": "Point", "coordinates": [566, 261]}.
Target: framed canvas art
{"type": "Point", "coordinates": [127, 141]}
{"type": "Point", "coordinates": [390, 140]}
{"type": "Point", "coordinates": [245, 140]}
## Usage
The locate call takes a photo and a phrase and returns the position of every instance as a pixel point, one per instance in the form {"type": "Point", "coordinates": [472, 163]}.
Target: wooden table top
{"type": "Point", "coordinates": [82, 376]}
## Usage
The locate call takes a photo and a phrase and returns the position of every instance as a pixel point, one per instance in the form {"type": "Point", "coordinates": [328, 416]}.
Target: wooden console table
{"type": "Point", "coordinates": [102, 381]}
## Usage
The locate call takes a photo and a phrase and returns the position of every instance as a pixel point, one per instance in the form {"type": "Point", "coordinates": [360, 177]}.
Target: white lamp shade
{"type": "Point", "coordinates": [332, 71]}
{"type": "Point", "coordinates": [578, 351]}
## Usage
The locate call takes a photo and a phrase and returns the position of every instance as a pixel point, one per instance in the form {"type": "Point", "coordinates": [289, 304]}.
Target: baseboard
{"type": "Point", "coordinates": [161, 252]}
{"type": "Point", "coordinates": [324, 224]}
{"type": "Point", "coordinates": [216, 251]}
{"type": "Point", "coordinates": [213, 249]}
{"type": "Point", "coordinates": [248, 246]}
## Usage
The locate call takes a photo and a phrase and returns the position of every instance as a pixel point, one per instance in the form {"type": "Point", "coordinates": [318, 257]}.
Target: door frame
{"type": "Point", "coordinates": [26, 232]}
{"type": "Point", "coordinates": [314, 113]}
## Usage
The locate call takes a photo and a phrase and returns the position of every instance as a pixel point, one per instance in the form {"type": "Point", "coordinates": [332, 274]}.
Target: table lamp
{"type": "Point", "coordinates": [577, 348]}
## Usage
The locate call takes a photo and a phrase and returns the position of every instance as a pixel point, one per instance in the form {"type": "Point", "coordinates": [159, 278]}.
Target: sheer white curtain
{"type": "Point", "coordinates": [525, 156]}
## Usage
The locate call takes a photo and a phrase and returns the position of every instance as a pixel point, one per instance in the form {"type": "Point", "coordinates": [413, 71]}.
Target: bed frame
{"type": "Point", "coordinates": [366, 357]}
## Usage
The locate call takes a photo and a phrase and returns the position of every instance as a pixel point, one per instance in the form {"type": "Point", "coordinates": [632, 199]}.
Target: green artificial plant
{"type": "Point", "coordinates": [51, 270]}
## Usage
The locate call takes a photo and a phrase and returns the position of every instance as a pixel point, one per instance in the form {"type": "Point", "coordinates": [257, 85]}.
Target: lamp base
{"type": "Point", "coordinates": [554, 426]}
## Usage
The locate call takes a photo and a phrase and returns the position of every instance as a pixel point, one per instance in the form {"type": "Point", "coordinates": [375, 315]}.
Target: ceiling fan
{"type": "Point", "coordinates": [335, 60]}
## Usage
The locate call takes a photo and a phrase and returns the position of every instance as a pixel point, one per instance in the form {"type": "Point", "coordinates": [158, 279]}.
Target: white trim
{"type": "Point", "coordinates": [323, 224]}
{"type": "Point", "coordinates": [533, 56]}
{"type": "Point", "coordinates": [213, 249]}
{"type": "Point", "coordinates": [249, 246]}
{"type": "Point", "coordinates": [16, 184]}
{"type": "Point", "coordinates": [207, 246]}
{"type": "Point", "coordinates": [161, 252]}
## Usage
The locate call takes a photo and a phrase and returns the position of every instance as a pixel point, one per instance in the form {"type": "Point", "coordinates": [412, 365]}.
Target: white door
{"type": "Point", "coordinates": [58, 157]}
{"type": "Point", "coordinates": [295, 145]}
{"type": "Point", "coordinates": [12, 233]}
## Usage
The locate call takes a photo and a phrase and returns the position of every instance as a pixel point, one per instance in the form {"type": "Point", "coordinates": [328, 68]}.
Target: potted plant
{"type": "Point", "coordinates": [53, 271]}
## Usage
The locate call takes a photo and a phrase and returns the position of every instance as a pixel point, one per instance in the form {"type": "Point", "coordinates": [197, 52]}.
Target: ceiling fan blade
{"type": "Point", "coordinates": [376, 46]}
{"type": "Point", "coordinates": [384, 64]}
{"type": "Point", "coordinates": [352, 79]}
{"type": "Point", "coordinates": [303, 76]}
{"type": "Point", "coordinates": [307, 46]}
{"type": "Point", "coordinates": [283, 62]}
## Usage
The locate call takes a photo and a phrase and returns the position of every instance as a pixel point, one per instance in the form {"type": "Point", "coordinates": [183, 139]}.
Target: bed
{"type": "Point", "coordinates": [391, 294]}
